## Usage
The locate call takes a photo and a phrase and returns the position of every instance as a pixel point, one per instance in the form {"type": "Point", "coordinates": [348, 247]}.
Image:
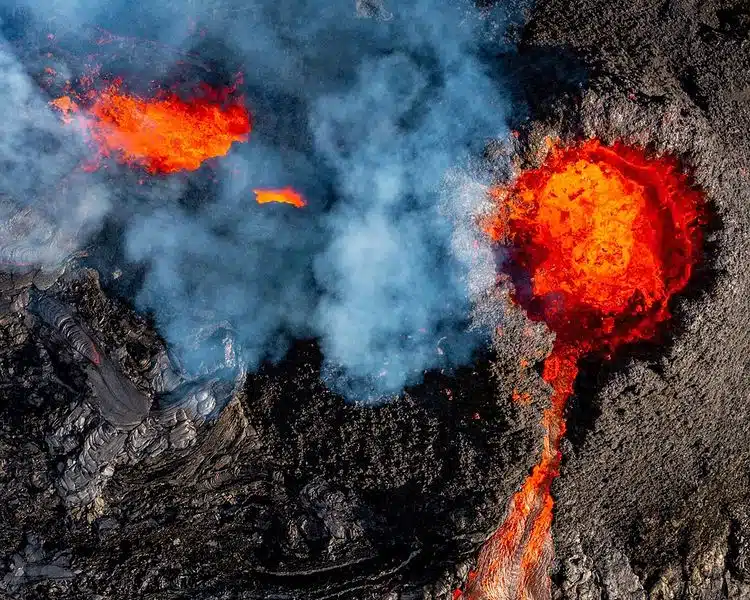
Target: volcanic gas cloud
{"type": "Point", "coordinates": [165, 134]}
{"type": "Point", "coordinates": [600, 238]}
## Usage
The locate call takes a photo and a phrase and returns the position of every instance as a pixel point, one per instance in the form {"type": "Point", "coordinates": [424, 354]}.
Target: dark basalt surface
{"type": "Point", "coordinates": [126, 478]}
{"type": "Point", "coordinates": [288, 492]}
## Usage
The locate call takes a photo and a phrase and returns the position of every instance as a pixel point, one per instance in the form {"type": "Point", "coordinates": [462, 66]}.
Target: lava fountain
{"type": "Point", "coordinates": [599, 239]}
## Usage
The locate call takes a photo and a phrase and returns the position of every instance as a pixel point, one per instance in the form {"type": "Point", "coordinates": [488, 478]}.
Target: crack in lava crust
{"type": "Point", "coordinates": [600, 238]}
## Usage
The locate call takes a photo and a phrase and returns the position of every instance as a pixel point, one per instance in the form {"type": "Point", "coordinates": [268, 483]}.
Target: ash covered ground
{"type": "Point", "coordinates": [122, 476]}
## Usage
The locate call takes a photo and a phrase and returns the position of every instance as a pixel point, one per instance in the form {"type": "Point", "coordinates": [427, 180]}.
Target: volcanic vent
{"type": "Point", "coordinates": [597, 241]}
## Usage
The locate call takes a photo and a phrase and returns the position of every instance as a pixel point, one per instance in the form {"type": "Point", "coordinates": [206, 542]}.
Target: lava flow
{"type": "Point", "coordinates": [165, 134]}
{"type": "Point", "coordinates": [600, 239]}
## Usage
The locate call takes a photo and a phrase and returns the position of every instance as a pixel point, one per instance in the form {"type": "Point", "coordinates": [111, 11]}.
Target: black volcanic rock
{"type": "Point", "coordinates": [268, 487]}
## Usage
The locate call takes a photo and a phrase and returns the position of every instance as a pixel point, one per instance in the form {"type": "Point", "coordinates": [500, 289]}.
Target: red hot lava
{"type": "Point", "coordinates": [600, 238]}
{"type": "Point", "coordinates": [165, 134]}
{"type": "Point", "coordinates": [285, 195]}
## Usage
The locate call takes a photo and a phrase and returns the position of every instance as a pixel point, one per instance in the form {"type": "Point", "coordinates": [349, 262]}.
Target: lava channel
{"type": "Point", "coordinates": [599, 238]}
{"type": "Point", "coordinates": [165, 134]}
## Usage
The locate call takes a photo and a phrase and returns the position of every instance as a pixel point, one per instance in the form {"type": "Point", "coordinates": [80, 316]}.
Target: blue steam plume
{"type": "Point", "coordinates": [367, 117]}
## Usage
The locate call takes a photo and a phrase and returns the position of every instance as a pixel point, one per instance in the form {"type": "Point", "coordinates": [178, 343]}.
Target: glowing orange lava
{"type": "Point", "coordinates": [600, 239]}
{"type": "Point", "coordinates": [165, 134]}
{"type": "Point", "coordinates": [285, 195]}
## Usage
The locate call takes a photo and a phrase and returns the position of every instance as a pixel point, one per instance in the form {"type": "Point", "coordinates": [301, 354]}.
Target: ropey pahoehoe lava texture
{"type": "Point", "coordinates": [375, 301]}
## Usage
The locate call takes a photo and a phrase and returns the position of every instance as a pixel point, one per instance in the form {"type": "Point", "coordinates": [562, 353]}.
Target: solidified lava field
{"type": "Point", "coordinates": [375, 301]}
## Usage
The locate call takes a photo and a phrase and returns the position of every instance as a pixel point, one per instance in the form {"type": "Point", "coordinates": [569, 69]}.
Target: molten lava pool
{"type": "Point", "coordinates": [165, 134]}
{"type": "Point", "coordinates": [600, 239]}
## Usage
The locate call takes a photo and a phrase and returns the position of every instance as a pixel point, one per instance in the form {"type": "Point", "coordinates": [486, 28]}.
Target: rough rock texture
{"type": "Point", "coordinates": [271, 487]}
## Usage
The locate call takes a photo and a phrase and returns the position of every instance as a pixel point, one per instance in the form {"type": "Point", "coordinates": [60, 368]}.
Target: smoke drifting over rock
{"type": "Point", "coordinates": [366, 116]}
{"type": "Point", "coordinates": [45, 205]}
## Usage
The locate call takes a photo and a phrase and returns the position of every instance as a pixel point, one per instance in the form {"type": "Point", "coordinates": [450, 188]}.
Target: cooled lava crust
{"type": "Point", "coordinates": [290, 493]}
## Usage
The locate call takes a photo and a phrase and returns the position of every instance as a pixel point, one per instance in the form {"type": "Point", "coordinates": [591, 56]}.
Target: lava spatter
{"type": "Point", "coordinates": [285, 195]}
{"type": "Point", "coordinates": [164, 134]}
{"type": "Point", "coordinates": [600, 239]}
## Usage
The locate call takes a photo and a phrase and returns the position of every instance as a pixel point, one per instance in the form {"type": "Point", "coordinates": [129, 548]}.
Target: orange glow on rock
{"type": "Point", "coordinates": [67, 107]}
{"type": "Point", "coordinates": [600, 239]}
{"type": "Point", "coordinates": [165, 134]}
{"type": "Point", "coordinates": [285, 195]}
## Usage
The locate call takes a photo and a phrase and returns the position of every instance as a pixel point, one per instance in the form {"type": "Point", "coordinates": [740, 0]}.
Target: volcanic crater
{"type": "Point", "coordinates": [596, 447]}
